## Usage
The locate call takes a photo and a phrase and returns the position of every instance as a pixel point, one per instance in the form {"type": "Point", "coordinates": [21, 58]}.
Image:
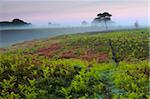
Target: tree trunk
{"type": "Point", "coordinates": [106, 25]}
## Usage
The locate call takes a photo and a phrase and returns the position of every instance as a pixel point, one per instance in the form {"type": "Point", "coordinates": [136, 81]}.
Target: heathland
{"type": "Point", "coordinates": [109, 65]}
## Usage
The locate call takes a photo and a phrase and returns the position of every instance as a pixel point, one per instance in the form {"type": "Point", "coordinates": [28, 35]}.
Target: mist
{"type": "Point", "coordinates": [12, 35]}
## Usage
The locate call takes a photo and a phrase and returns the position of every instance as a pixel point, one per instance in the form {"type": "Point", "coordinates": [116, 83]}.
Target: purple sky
{"type": "Point", "coordinates": [74, 11]}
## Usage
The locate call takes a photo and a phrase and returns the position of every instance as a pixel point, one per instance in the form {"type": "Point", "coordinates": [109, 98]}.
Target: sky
{"type": "Point", "coordinates": [69, 12]}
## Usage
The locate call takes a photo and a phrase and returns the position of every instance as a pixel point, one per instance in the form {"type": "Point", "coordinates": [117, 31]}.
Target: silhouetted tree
{"type": "Point", "coordinates": [136, 24]}
{"type": "Point", "coordinates": [49, 23]}
{"type": "Point", "coordinates": [84, 23]}
{"type": "Point", "coordinates": [102, 18]}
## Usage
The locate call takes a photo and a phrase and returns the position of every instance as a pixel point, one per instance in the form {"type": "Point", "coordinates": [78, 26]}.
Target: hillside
{"type": "Point", "coordinates": [110, 65]}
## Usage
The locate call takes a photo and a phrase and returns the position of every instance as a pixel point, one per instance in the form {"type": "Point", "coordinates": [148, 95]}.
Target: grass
{"type": "Point", "coordinates": [107, 65]}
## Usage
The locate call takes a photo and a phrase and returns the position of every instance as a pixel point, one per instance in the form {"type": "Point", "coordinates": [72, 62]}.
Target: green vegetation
{"type": "Point", "coordinates": [86, 66]}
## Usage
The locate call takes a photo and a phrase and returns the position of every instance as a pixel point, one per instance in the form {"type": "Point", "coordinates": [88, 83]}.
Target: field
{"type": "Point", "coordinates": [112, 65]}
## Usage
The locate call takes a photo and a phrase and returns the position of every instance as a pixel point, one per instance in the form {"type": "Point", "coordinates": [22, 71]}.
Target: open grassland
{"type": "Point", "coordinates": [110, 65]}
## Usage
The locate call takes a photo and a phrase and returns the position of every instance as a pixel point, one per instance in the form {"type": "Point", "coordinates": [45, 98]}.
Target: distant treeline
{"type": "Point", "coordinates": [14, 22]}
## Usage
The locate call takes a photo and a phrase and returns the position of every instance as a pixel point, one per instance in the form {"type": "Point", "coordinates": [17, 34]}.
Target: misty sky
{"type": "Point", "coordinates": [73, 11]}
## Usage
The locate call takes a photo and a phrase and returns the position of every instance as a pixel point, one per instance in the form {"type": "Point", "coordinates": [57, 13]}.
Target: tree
{"type": "Point", "coordinates": [49, 23]}
{"type": "Point", "coordinates": [84, 23]}
{"type": "Point", "coordinates": [136, 24]}
{"type": "Point", "coordinates": [14, 22]}
{"type": "Point", "coordinates": [102, 18]}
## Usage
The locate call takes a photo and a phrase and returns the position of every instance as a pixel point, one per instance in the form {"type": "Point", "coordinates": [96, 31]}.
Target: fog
{"type": "Point", "coordinates": [12, 35]}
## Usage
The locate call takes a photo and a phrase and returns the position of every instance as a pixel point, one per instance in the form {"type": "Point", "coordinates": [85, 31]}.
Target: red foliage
{"type": "Point", "coordinates": [102, 57]}
{"type": "Point", "coordinates": [89, 55]}
{"type": "Point", "coordinates": [68, 54]}
{"type": "Point", "coordinates": [49, 51]}
{"type": "Point", "coordinates": [2, 49]}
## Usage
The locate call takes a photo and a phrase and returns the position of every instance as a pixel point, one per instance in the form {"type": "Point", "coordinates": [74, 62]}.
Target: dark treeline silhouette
{"type": "Point", "coordinates": [14, 22]}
